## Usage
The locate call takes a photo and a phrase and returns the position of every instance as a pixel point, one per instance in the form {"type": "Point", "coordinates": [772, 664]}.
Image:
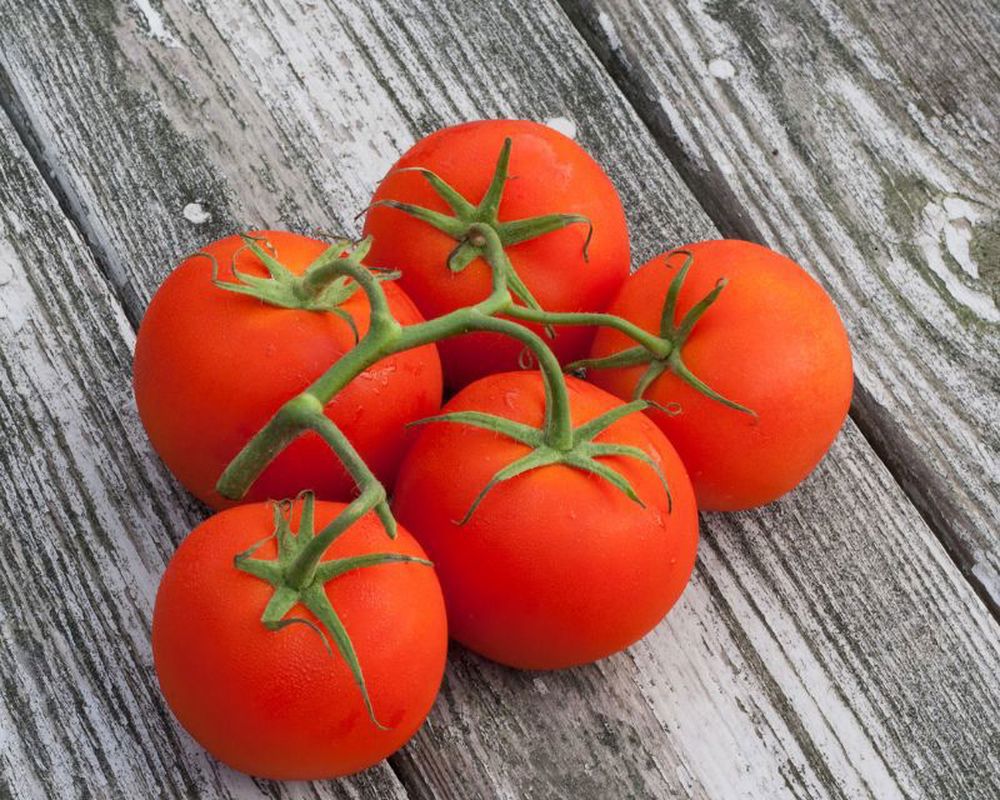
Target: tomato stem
{"type": "Point", "coordinates": [298, 576]}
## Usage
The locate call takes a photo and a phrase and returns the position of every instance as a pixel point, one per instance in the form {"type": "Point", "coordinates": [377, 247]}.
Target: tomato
{"type": "Point", "coordinates": [279, 704]}
{"type": "Point", "coordinates": [772, 341]}
{"type": "Point", "coordinates": [549, 173]}
{"type": "Point", "coordinates": [212, 367]}
{"type": "Point", "coordinates": [556, 567]}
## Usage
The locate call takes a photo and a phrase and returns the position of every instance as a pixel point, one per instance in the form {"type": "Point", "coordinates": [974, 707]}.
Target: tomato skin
{"type": "Point", "coordinates": [772, 341]}
{"type": "Point", "coordinates": [277, 704]}
{"type": "Point", "coordinates": [549, 173]}
{"type": "Point", "coordinates": [212, 367]}
{"type": "Point", "coordinates": [556, 567]}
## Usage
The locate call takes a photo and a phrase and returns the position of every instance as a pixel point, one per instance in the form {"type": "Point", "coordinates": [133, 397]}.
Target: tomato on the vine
{"type": "Point", "coordinates": [556, 566]}
{"type": "Point", "coordinates": [550, 174]}
{"type": "Point", "coordinates": [281, 703]}
{"type": "Point", "coordinates": [212, 366]}
{"type": "Point", "coordinates": [772, 341]}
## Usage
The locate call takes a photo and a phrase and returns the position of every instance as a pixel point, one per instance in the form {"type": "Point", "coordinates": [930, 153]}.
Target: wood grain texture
{"type": "Point", "coordinates": [826, 648]}
{"type": "Point", "coordinates": [861, 139]}
{"type": "Point", "coordinates": [88, 519]}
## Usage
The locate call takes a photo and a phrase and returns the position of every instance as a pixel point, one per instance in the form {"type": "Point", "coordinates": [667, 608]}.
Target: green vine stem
{"type": "Point", "coordinates": [386, 336]}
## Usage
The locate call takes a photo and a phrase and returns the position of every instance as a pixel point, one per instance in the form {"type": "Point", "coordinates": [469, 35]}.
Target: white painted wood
{"type": "Point", "coordinates": [88, 518]}
{"type": "Point", "coordinates": [827, 647]}
{"type": "Point", "coordinates": [861, 139]}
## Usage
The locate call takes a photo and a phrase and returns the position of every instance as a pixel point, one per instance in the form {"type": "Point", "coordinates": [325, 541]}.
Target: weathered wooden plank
{"type": "Point", "coordinates": [88, 518]}
{"type": "Point", "coordinates": [827, 647]}
{"type": "Point", "coordinates": [861, 139]}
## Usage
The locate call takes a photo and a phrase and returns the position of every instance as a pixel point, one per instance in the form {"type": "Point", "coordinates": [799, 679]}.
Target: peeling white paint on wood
{"type": "Point", "coordinates": [564, 125]}
{"type": "Point", "coordinates": [196, 214]}
{"type": "Point", "coordinates": [721, 68]}
{"type": "Point", "coordinates": [154, 23]}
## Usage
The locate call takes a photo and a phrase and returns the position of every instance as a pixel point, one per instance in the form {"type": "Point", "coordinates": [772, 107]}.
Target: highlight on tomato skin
{"type": "Point", "coordinates": [772, 341]}
{"type": "Point", "coordinates": [212, 366]}
{"type": "Point", "coordinates": [576, 268]}
{"type": "Point", "coordinates": [556, 567]}
{"type": "Point", "coordinates": [279, 704]}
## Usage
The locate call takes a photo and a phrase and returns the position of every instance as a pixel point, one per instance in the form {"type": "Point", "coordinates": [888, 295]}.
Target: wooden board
{"type": "Point", "coordinates": [826, 648]}
{"type": "Point", "coordinates": [861, 139]}
{"type": "Point", "coordinates": [88, 519]}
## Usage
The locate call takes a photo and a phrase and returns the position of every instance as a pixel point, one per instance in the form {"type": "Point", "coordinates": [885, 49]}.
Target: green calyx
{"type": "Point", "coordinates": [582, 452]}
{"type": "Point", "coordinates": [299, 577]}
{"type": "Point", "coordinates": [466, 218]}
{"type": "Point", "coordinates": [317, 289]}
{"type": "Point", "coordinates": [665, 355]}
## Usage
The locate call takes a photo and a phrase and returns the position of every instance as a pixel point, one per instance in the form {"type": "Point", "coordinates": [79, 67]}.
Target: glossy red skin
{"type": "Point", "coordinates": [773, 341]}
{"type": "Point", "coordinates": [212, 367]}
{"type": "Point", "coordinates": [556, 567]}
{"type": "Point", "coordinates": [549, 173]}
{"type": "Point", "coordinates": [277, 704]}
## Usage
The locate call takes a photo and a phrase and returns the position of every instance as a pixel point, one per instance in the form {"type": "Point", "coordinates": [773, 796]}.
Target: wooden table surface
{"type": "Point", "coordinates": [841, 643]}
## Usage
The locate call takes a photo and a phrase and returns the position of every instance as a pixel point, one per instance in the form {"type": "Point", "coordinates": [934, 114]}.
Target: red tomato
{"type": "Point", "coordinates": [772, 341]}
{"type": "Point", "coordinates": [556, 567]}
{"type": "Point", "coordinates": [213, 366]}
{"type": "Point", "coordinates": [549, 173]}
{"type": "Point", "coordinates": [278, 704]}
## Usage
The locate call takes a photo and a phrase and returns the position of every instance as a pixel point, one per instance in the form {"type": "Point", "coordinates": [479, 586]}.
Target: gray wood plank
{"type": "Point", "coordinates": [827, 647]}
{"type": "Point", "coordinates": [88, 518]}
{"type": "Point", "coordinates": [860, 138]}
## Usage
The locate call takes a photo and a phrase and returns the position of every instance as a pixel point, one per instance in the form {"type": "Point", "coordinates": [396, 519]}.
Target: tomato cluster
{"type": "Point", "coordinates": [295, 386]}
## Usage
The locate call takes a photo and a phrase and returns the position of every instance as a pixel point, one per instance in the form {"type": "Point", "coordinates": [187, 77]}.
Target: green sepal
{"type": "Point", "coordinates": [292, 548]}
{"type": "Point", "coordinates": [539, 457]}
{"type": "Point", "coordinates": [451, 196]}
{"type": "Point", "coordinates": [582, 455]}
{"type": "Point", "coordinates": [679, 368]}
{"type": "Point", "coordinates": [616, 479]}
{"type": "Point", "coordinates": [490, 422]}
{"type": "Point", "coordinates": [673, 336]}
{"type": "Point", "coordinates": [650, 374]}
{"type": "Point", "coordinates": [602, 422]}
{"type": "Point", "coordinates": [449, 225]}
{"type": "Point", "coordinates": [304, 292]}
{"type": "Point", "coordinates": [521, 230]}
{"type": "Point", "coordinates": [629, 451]}
{"type": "Point", "coordinates": [673, 290]}
{"type": "Point", "coordinates": [466, 215]}
{"type": "Point", "coordinates": [315, 599]}
{"type": "Point", "coordinates": [328, 570]}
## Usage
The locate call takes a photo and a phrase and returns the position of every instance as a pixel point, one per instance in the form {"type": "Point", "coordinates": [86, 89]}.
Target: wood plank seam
{"type": "Point", "coordinates": [12, 109]}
